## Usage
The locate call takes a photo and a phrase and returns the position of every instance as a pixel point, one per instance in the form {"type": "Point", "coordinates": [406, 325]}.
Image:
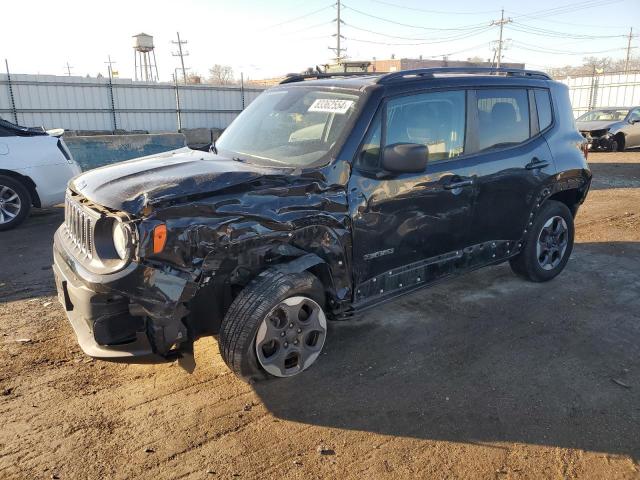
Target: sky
{"type": "Point", "coordinates": [269, 38]}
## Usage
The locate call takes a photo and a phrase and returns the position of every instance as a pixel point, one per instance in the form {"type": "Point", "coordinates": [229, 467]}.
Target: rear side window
{"type": "Point", "coordinates": [436, 120]}
{"type": "Point", "coordinates": [503, 116]}
{"type": "Point", "coordinates": [543, 104]}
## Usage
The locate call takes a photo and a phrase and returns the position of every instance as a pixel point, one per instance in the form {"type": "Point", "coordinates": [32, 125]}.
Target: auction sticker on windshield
{"type": "Point", "coordinates": [331, 105]}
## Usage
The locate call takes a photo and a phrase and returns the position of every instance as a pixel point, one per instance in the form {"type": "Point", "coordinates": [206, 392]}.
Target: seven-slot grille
{"type": "Point", "coordinates": [79, 223]}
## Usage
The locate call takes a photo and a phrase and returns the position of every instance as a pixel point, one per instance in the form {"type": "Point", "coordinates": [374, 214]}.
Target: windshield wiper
{"type": "Point", "coordinates": [238, 159]}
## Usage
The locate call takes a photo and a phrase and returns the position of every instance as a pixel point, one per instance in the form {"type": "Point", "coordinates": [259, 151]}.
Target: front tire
{"type": "Point", "coordinates": [275, 327]}
{"type": "Point", "coordinates": [15, 203]}
{"type": "Point", "coordinates": [548, 244]}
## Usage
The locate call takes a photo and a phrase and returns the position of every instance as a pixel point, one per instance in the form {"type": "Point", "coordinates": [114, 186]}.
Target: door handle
{"type": "Point", "coordinates": [458, 184]}
{"type": "Point", "coordinates": [536, 164]}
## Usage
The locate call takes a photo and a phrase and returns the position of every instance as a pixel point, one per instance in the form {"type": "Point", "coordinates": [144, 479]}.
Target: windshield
{"type": "Point", "coordinates": [293, 127]}
{"type": "Point", "coordinates": [613, 115]}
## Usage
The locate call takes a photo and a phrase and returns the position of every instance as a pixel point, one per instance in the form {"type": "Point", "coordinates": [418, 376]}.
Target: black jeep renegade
{"type": "Point", "coordinates": [326, 196]}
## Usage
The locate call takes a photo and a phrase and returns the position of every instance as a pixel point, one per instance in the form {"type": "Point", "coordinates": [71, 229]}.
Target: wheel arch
{"type": "Point", "coordinates": [571, 198]}
{"type": "Point", "coordinates": [621, 138]}
{"type": "Point", "coordinates": [27, 182]}
{"type": "Point", "coordinates": [319, 250]}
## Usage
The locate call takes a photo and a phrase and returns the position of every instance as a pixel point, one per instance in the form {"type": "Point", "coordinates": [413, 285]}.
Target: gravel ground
{"type": "Point", "coordinates": [485, 376]}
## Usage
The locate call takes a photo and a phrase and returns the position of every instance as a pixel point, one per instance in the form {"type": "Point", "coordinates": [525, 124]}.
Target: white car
{"type": "Point", "coordinates": [35, 167]}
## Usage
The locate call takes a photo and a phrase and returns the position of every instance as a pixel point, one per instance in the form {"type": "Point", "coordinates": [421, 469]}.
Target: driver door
{"type": "Point", "coordinates": [409, 228]}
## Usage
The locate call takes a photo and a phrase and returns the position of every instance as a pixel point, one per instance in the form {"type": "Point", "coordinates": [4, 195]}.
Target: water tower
{"type": "Point", "coordinates": [144, 57]}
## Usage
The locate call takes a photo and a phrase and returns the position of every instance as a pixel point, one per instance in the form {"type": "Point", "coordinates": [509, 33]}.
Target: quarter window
{"type": "Point", "coordinates": [503, 117]}
{"type": "Point", "coordinates": [369, 156]}
{"type": "Point", "coordinates": [543, 104]}
{"type": "Point", "coordinates": [436, 120]}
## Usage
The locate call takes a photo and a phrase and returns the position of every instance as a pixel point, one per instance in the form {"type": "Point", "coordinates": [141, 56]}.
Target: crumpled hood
{"type": "Point", "coordinates": [130, 186]}
{"type": "Point", "coordinates": [595, 125]}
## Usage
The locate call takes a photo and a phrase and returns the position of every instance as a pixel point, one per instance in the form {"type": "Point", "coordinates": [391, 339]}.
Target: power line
{"type": "Point", "coordinates": [416, 44]}
{"type": "Point", "coordinates": [304, 29]}
{"type": "Point", "coordinates": [567, 8]}
{"type": "Point", "coordinates": [466, 27]}
{"type": "Point", "coordinates": [295, 19]}
{"type": "Point", "coordinates": [438, 39]}
{"type": "Point", "coordinates": [583, 25]}
{"type": "Point", "coordinates": [437, 12]}
{"type": "Point", "coordinates": [535, 48]}
{"type": "Point", "coordinates": [517, 26]}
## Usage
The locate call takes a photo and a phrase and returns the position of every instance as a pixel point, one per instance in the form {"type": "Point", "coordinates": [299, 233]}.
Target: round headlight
{"type": "Point", "coordinates": [121, 239]}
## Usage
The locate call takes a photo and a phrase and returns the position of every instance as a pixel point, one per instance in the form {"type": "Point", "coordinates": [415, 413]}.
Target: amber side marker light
{"type": "Point", "coordinates": [159, 238]}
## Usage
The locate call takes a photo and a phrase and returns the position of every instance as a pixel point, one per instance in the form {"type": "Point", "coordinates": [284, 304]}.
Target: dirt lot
{"type": "Point", "coordinates": [485, 376]}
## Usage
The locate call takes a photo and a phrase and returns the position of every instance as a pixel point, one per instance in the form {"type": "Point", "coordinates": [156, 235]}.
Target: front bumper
{"type": "Point", "coordinates": [133, 315]}
{"type": "Point", "coordinates": [603, 141]}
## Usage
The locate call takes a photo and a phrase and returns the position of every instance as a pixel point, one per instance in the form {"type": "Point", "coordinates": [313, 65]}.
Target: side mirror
{"type": "Point", "coordinates": [405, 158]}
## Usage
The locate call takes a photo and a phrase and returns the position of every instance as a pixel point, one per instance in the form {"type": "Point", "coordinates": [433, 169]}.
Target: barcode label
{"type": "Point", "coordinates": [331, 105]}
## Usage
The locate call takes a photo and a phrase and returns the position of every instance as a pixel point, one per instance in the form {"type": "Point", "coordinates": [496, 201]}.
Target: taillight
{"type": "Point", "coordinates": [584, 146]}
{"type": "Point", "coordinates": [64, 151]}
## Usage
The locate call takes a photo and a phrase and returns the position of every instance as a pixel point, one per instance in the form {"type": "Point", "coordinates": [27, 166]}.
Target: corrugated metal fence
{"type": "Point", "coordinates": [77, 103]}
{"type": "Point", "coordinates": [603, 90]}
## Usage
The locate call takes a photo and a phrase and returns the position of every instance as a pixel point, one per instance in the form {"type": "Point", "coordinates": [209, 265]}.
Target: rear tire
{"type": "Point", "coordinates": [548, 244]}
{"type": "Point", "coordinates": [262, 312]}
{"type": "Point", "coordinates": [15, 203]}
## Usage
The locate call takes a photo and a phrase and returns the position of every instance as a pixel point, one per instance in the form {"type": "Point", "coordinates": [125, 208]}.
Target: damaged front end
{"type": "Point", "coordinates": [118, 308]}
{"type": "Point", "coordinates": [599, 139]}
{"type": "Point", "coordinates": [153, 304]}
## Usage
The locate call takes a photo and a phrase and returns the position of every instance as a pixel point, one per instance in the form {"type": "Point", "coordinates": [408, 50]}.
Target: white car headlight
{"type": "Point", "coordinates": [121, 239]}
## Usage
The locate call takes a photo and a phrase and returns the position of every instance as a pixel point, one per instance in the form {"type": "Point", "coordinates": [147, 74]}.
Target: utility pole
{"type": "Point", "coordinates": [338, 48]}
{"type": "Point", "coordinates": [110, 64]}
{"type": "Point", "coordinates": [181, 54]}
{"type": "Point", "coordinates": [111, 96]}
{"type": "Point", "coordinates": [501, 23]}
{"type": "Point", "coordinates": [68, 67]}
{"type": "Point", "coordinates": [626, 63]}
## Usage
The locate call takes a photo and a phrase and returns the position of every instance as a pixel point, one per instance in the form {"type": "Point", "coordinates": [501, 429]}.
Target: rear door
{"type": "Point", "coordinates": [512, 160]}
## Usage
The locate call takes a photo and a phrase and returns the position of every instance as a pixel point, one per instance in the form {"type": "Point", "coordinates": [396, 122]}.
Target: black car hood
{"type": "Point", "coordinates": [130, 186]}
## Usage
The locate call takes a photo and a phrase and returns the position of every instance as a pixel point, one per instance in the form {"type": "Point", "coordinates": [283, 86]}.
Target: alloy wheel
{"type": "Point", "coordinates": [291, 336]}
{"type": "Point", "coordinates": [552, 243]}
{"type": "Point", "coordinates": [10, 204]}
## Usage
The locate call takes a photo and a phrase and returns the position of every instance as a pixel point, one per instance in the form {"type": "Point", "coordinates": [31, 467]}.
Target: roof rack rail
{"type": "Point", "coordinates": [429, 72]}
{"type": "Point", "coordinates": [299, 77]}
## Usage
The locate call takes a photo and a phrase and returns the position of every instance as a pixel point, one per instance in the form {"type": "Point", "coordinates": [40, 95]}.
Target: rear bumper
{"type": "Point", "coordinates": [124, 316]}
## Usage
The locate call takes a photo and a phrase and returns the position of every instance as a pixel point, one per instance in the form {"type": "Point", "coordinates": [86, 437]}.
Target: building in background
{"type": "Point", "coordinates": [398, 64]}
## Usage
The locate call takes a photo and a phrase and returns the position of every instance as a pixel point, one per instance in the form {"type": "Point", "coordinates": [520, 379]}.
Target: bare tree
{"type": "Point", "coordinates": [591, 65]}
{"type": "Point", "coordinates": [221, 75]}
